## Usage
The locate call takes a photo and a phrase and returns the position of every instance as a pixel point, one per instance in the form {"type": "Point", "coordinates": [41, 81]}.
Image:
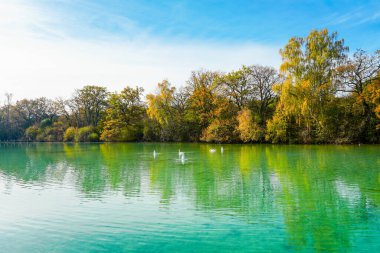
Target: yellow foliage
{"type": "Point", "coordinates": [159, 106]}
{"type": "Point", "coordinates": [247, 128]}
{"type": "Point", "coordinates": [372, 95]}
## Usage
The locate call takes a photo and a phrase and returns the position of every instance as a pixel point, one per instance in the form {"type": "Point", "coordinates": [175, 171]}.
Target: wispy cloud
{"type": "Point", "coordinates": [369, 18]}
{"type": "Point", "coordinates": [358, 16]}
{"type": "Point", "coordinates": [41, 56]}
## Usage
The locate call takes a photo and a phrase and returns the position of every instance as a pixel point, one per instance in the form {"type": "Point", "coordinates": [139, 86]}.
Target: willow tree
{"type": "Point", "coordinates": [308, 66]}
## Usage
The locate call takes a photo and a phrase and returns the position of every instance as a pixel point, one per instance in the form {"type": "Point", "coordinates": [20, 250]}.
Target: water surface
{"type": "Point", "coordinates": [250, 198]}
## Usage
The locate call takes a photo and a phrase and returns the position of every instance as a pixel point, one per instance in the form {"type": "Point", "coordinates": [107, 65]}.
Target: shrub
{"type": "Point", "coordinates": [93, 137]}
{"type": "Point", "coordinates": [45, 123]}
{"type": "Point", "coordinates": [151, 130]}
{"type": "Point", "coordinates": [87, 133]}
{"type": "Point", "coordinates": [31, 133]}
{"type": "Point", "coordinates": [40, 136]}
{"type": "Point", "coordinates": [69, 134]}
{"type": "Point", "coordinates": [55, 132]}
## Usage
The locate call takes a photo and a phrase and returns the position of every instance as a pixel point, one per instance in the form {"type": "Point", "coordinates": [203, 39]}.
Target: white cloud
{"type": "Point", "coordinates": [356, 17]}
{"type": "Point", "coordinates": [38, 59]}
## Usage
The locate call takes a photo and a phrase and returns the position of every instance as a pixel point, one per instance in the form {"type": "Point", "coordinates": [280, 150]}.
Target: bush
{"type": "Point", "coordinates": [151, 131]}
{"type": "Point", "coordinates": [45, 123]}
{"type": "Point", "coordinates": [55, 132]}
{"type": "Point", "coordinates": [93, 137]}
{"type": "Point", "coordinates": [31, 133]}
{"type": "Point", "coordinates": [87, 133]}
{"type": "Point", "coordinates": [40, 136]}
{"type": "Point", "coordinates": [69, 134]}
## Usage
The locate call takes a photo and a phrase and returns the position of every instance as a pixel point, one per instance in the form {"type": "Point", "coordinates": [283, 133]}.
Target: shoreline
{"type": "Point", "coordinates": [183, 142]}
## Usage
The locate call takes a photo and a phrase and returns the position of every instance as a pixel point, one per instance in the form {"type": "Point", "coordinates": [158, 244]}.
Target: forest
{"type": "Point", "coordinates": [322, 93]}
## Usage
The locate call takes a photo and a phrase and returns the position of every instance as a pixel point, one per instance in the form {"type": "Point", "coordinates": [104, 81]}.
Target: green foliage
{"type": "Point", "coordinates": [308, 66]}
{"type": "Point", "coordinates": [320, 95]}
{"type": "Point", "coordinates": [167, 111]}
{"type": "Point", "coordinates": [277, 129]}
{"type": "Point", "coordinates": [160, 105]}
{"type": "Point", "coordinates": [50, 132]}
{"type": "Point", "coordinates": [45, 123]}
{"type": "Point", "coordinates": [31, 133]}
{"type": "Point", "coordinates": [124, 116]}
{"type": "Point", "coordinates": [151, 130]}
{"type": "Point", "coordinates": [93, 137]}
{"type": "Point", "coordinates": [70, 134]}
{"type": "Point", "coordinates": [55, 132]}
{"type": "Point", "coordinates": [87, 134]}
{"type": "Point", "coordinates": [372, 97]}
{"type": "Point", "coordinates": [89, 104]}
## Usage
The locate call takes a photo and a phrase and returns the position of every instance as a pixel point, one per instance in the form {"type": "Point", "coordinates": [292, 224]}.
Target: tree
{"type": "Point", "coordinates": [161, 109]}
{"type": "Point", "coordinates": [202, 88]}
{"type": "Point", "coordinates": [236, 86]}
{"type": "Point", "coordinates": [63, 110]}
{"type": "Point", "coordinates": [251, 90]}
{"type": "Point", "coordinates": [8, 107]}
{"type": "Point", "coordinates": [7, 131]}
{"type": "Point", "coordinates": [223, 124]}
{"type": "Point", "coordinates": [372, 96]}
{"type": "Point", "coordinates": [356, 72]}
{"type": "Point", "coordinates": [89, 104]}
{"type": "Point", "coordinates": [308, 67]}
{"type": "Point", "coordinates": [320, 95]}
{"type": "Point", "coordinates": [262, 80]}
{"type": "Point", "coordinates": [124, 116]}
{"type": "Point", "coordinates": [248, 129]}
{"type": "Point", "coordinates": [353, 77]}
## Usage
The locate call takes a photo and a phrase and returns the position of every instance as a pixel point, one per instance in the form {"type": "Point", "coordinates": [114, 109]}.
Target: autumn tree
{"type": "Point", "coordinates": [222, 127]}
{"type": "Point", "coordinates": [124, 116]}
{"type": "Point", "coordinates": [308, 67]}
{"type": "Point", "coordinates": [248, 129]}
{"type": "Point", "coordinates": [201, 88]}
{"type": "Point", "coordinates": [319, 95]}
{"type": "Point", "coordinates": [164, 111]}
{"type": "Point", "coordinates": [372, 96]}
{"type": "Point", "coordinates": [353, 77]}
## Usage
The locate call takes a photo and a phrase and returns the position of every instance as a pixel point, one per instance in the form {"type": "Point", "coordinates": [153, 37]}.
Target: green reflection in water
{"type": "Point", "coordinates": [118, 197]}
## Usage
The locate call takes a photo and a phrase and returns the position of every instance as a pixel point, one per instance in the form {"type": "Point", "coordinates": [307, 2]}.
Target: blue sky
{"type": "Point", "coordinates": [272, 22]}
{"type": "Point", "coordinates": [55, 46]}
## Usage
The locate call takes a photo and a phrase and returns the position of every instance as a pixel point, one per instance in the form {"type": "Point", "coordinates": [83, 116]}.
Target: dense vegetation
{"type": "Point", "coordinates": [320, 95]}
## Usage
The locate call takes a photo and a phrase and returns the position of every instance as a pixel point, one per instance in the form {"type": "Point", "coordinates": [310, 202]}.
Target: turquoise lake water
{"type": "Point", "coordinates": [250, 198]}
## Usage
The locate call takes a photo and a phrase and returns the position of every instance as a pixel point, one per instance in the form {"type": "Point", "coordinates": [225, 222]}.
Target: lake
{"type": "Point", "coordinates": [249, 198]}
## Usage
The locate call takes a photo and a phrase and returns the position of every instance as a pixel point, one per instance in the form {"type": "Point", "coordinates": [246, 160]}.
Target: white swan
{"type": "Point", "coordinates": [180, 153]}
{"type": "Point", "coordinates": [212, 150]}
{"type": "Point", "coordinates": [221, 150]}
{"type": "Point", "coordinates": [154, 154]}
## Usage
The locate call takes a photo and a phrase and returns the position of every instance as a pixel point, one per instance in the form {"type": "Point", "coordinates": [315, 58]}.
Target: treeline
{"type": "Point", "coordinates": [321, 94]}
